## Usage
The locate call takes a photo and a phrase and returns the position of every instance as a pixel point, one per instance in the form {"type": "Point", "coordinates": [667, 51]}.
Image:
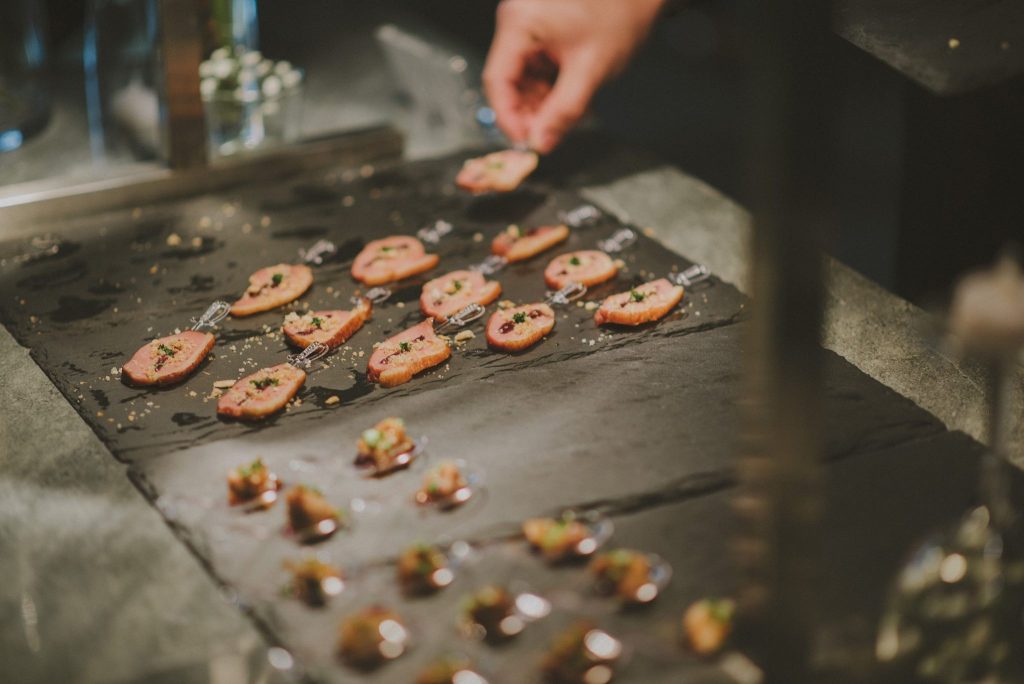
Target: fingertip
{"type": "Point", "coordinates": [543, 140]}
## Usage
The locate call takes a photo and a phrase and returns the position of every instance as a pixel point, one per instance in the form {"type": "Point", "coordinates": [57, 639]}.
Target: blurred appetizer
{"type": "Point", "coordinates": [515, 244]}
{"type": "Point", "coordinates": [642, 304]}
{"type": "Point", "coordinates": [372, 637]}
{"type": "Point", "coordinates": [263, 393]}
{"type": "Point", "coordinates": [496, 172]}
{"type": "Point", "coordinates": [392, 258]}
{"type": "Point", "coordinates": [707, 625]}
{"type": "Point", "coordinates": [168, 360]}
{"type": "Point", "coordinates": [445, 485]}
{"type": "Point", "coordinates": [385, 447]}
{"type": "Point", "coordinates": [310, 516]}
{"type": "Point", "coordinates": [448, 294]}
{"type": "Point", "coordinates": [582, 654]}
{"type": "Point", "coordinates": [450, 670]}
{"type": "Point", "coordinates": [332, 328]}
{"type": "Point", "coordinates": [589, 267]}
{"type": "Point", "coordinates": [626, 574]}
{"type": "Point", "coordinates": [423, 569]}
{"type": "Point", "coordinates": [556, 539]}
{"type": "Point", "coordinates": [272, 287]}
{"type": "Point", "coordinates": [313, 581]}
{"type": "Point", "coordinates": [252, 484]}
{"type": "Point", "coordinates": [412, 351]}
{"type": "Point", "coordinates": [520, 327]}
{"type": "Point", "coordinates": [491, 611]}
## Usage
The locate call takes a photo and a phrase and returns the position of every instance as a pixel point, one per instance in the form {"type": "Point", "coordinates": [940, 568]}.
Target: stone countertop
{"type": "Point", "coordinates": [137, 606]}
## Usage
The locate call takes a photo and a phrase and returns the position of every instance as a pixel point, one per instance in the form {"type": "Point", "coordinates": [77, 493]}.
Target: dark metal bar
{"type": "Point", "coordinates": [20, 214]}
{"type": "Point", "coordinates": [779, 501]}
{"type": "Point", "coordinates": [181, 53]}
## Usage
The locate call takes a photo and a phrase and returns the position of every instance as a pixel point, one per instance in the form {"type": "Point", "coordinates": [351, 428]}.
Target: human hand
{"type": "Point", "coordinates": [549, 57]}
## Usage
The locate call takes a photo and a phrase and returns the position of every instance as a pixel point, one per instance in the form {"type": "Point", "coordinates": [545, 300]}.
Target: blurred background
{"type": "Point", "coordinates": [88, 72]}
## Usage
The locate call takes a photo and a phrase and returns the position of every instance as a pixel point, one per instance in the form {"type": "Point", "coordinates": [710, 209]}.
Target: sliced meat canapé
{"type": "Point", "coordinates": [496, 172]}
{"type": "Point", "coordinates": [448, 294]}
{"type": "Point", "coordinates": [264, 392]}
{"type": "Point", "coordinates": [272, 287]}
{"type": "Point", "coordinates": [409, 352]}
{"type": "Point", "coordinates": [642, 304]}
{"type": "Point", "coordinates": [327, 327]}
{"type": "Point", "coordinates": [515, 244]}
{"type": "Point", "coordinates": [168, 359]}
{"type": "Point", "coordinates": [392, 258]}
{"type": "Point", "coordinates": [589, 267]}
{"type": "Point", "coordinates": [520, 327]}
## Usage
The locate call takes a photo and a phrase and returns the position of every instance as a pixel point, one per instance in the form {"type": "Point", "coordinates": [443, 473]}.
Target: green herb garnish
{"type": "Point", "coordinates": [575, 261]}
{"type": "Point", "coordinates": [277, 278]}
{"type": "Point", "coordinates": [636, 295]}
{"type": "Point", "coordinates": [164, 349]}
{"type": "Point", "coordinates": [405, 346]}
{"type": "Point", "coordinates": [264, 383]}
{"type": "Point", "coordinates": [371, 437]}
{"type": "Point", "coordinates": [251, 469]}
{"type": "Point", "coordinates": [519, 317]}
{"type": "Point", "coordinates": [457, 284]}
{"type": "Point", "coordinates": [317, 321]}
{"type": "Point", "coordinates": [721, 610]}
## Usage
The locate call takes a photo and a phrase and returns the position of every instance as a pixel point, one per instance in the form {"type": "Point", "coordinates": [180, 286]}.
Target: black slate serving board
{"type": "Point", "coordinates": [639, 424]}
{"type": "Point", "coordinates": [84, 312]}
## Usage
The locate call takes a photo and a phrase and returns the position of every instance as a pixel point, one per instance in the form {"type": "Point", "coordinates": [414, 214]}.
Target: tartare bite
{"type": "Point", "coordinates": [386, 447]}
{"type": "Point", "coordinates": [253, 485]}
{"type": "Point", "coordinates": [372, 637]}
{"type": "Point", "coordinates": [310, 516]}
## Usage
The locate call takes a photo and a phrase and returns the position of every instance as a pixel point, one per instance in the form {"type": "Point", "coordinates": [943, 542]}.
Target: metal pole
{"type": "Point", "coordinates": [779, 501]}
{"type": "Point", "coordinates": [181, 51]}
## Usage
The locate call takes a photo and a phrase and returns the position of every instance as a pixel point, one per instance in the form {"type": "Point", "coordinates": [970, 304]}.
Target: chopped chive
{"type": "Point", "coordinates": [277, 278]}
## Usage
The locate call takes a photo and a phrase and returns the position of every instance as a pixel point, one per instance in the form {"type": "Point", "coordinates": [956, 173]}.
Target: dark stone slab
{"type": "Point", "coordinates": [913, 36]}
{"type": "Point", "coordinates": [84, 312]}
{"type": "Point", "coordinates": [879, 506]}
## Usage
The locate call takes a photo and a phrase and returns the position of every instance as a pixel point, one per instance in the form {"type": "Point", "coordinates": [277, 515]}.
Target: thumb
{"type": "Point", "coordinates": [567, 102]}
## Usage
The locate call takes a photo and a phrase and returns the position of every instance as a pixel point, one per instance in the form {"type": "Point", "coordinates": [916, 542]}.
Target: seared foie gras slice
{"type": "Point", "coordinates": [517, 245]}
{"type": "Point", "coordinates": [450, 293]}
{"type": "Point", "coordinates": [496, 172]}
{"type": "Point", "coordinates": [412, 351]}
{"type": "Point", "coordinates": [588, 267]}
{"type": "Point", "coordinates": [168, 359]}
{"type": "Point", "coordinates": [264, 392]}
{"type": "Point", "coordinates": [520, 327]}
{"type": "Point", "coordinates": [392, 258]}
{"type": "Point", "coordinates": [272, 287]}
{"type": "Point", "coordinates": [643, 304]}
{"type": "Point", "coordinates": [327, 327]}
